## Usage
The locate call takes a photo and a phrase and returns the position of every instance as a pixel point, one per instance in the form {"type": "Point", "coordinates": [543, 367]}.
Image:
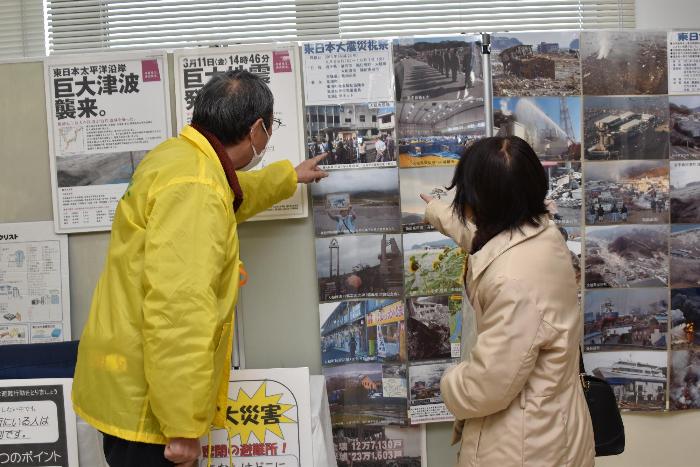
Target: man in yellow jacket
{"type": "Point", "coordinates": [155, 354]}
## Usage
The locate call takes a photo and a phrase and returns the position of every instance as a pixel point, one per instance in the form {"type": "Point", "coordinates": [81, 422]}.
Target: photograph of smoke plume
{"type": "Point", "coordinates": [551, 125]}
{"type": "Point", "coordinates": [624, 62]}
{"type": "Point", "coordinates": [684, 391]}
{"type": "Point", "coordinates": [685, 318]}
{"type": "Point", "coordinates": [536, 64]}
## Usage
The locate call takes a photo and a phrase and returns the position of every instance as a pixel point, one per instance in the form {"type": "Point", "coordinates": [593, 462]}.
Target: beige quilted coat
{"type": "Point", "coordinates": [517, 396]}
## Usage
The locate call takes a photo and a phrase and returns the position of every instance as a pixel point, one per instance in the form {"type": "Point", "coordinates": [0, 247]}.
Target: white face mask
{"type": "Point", "coordinates": [257, 157]}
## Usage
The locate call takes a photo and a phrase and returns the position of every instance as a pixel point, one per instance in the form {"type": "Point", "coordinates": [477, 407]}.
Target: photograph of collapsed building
{"type": "Point", "coordinates": [685, 127]}
{"type": "Point", "coordinates": [685, 255]}
{"type": "Point", "coordinates": [638, 378]}
{"type": "Point", "coordinates": [622, 319]}
{"type": "Point", "coordinates": [564, 198]}
{"type": "Point", "coordinates": [685, 192]}
{"type": "Point", "coordinates": [356, 135]}
{"type": "Point", "coordinates": [625, 127]}
{"type": "Point", "coordinates": [627, 192]}
{"type": "Point", "coordinates": [356, 396]}
{"type": "Point", "coordinates": [97, 169]}
{"type": "Point", "coordinates": [434, 133]}
{"type": "Point", "coordinates": [626, 256]}
{"type": "Point", "coordinates": [378, 446]}
{"type": "Point", "coordinates": [433, 264]}
{"type": "Point", "coordinates": [551, 125]}
{"type": "Point", "coordinates": [684, 390]}
{"type": "Point", "coordinates": [357, 201]}
{"type": "Point", "coordinates": [438, 69]}
{"type": "Point", "coordinates": [624, 62]}
{"type": "Point", "coordinates": [424, 382]}
{"type": "Point", "coordinates": [362, 331]}
{"type": "Point", "coordinates": [359, 266]}
{"type": "Point", "coordinates": [432, 181]}
{"type": "Point", "coordinates": [536, 64]}
{"type": "Point", "coordinates": [685, 318]}
{"type": "Point", "coordinates": [434, 327]}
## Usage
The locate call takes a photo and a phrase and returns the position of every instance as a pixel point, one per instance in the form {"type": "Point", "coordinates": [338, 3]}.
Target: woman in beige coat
{"type": "Point", "coordinates": [517, 396]}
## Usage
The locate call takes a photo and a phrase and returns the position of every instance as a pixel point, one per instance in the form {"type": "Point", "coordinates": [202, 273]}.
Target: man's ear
{"type": "Point", "coordinates": [254, 127]}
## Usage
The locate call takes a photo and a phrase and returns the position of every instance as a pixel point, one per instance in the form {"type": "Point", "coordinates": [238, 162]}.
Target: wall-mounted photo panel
{"type": "Point", "coordinates": [685, 318]}
{"type": "Point", "coordinates": [574, 244]}
{"type": "Point", "coordinates": [551, 125]}
{"type": "Point", "coordinates": [685, 127]}
{"type": "Point", "coordinates": [684, 392]}
{"type": "Point", "coordinates": [625, 127]}
{"type": "Point", "coordinates": [627, 256]}
{"type": "Point", "coordinates": [359, 266]}
{"type": "Point", "coordinates": [438, 68]}
{"type": "Point", "coordinates": [625, 319]}
{"type": "Point", "coordinates": [371, 446]}
{"type": "Point", "coordinates": [433, 264]}
{"type": "Point", "coordinates": [357, 201]}
{"type": "Point", "coordinates": [432, 181]}
{"type": "Point", "coordinates": [624, 62]}
{"type": "Point", "coordinates": [362, 331]}
{"type": "Point", "coordinates": [425, 400]}
{"type": "Point", "coordinates": [353, 135]}
{"type": "Point", "coordinates": [434, 327]}
{"type": "Point", "coordinates": [356, 394]}
{"type": "Point", "coordinates": [627, 192]}
{"type": "Point", "coordinates": [638, 378]}
{"type": "Point", "coordinates": [536, 64]}
{"type": "Point", "coordinates": [564, 197]}
{"type": "Point", "coordinates": [434, 133]}
{"type": "Point", "coordinates": [685, 192]}
{"type": "Point", "coordinates": [685, 255]}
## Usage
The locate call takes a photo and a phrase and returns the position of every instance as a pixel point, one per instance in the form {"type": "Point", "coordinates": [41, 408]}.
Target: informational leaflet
{"type": "Point", "coordinates": [268, 421]}
{"type": "Point", "coordinates": [104, 111]}
{"type": "Point", "coordinates": [34, 290]}
{"type": "Point", "coordinates": [683, 62]}
{"type": "Point", "coordinates": [278, 66]}
{"type": "Point", "coordinates": [344, 72]}
{"type": "Point", "coordinates": [37, 423]}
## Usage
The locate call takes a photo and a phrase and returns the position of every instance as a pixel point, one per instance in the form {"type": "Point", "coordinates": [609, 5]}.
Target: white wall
{"type": "Point", "coordinates": [665, 440]}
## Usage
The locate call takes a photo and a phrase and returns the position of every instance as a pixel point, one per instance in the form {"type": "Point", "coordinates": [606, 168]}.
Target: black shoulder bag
{"type": "Point", "coordinates": [608, 430]}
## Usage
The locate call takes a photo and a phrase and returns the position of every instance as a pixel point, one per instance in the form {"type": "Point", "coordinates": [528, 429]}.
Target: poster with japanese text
{"type": "Point", "coordinates": [34, 288]}
{"type": "Point", "coordinates": [38, 423]}
{"type": "Point", "coordinates": [352, 71]}
{"type": "Point", "coordinates": [268, 421]}
{"type": "Point", "coordinates": [684, 62]}
{"type": "Point", "coordinates": [278, 66]}
{"type": "Point", "coordinates": [105, 112]}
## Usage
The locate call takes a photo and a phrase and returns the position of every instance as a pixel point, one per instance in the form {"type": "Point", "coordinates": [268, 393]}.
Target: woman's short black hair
{"type": "Point", "coordinates": [503, 183]}
{"type": "Point", "coordinates": [230, 103]}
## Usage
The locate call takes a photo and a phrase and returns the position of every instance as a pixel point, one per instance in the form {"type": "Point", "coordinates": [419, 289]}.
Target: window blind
{"type": "Point", "coordinates": [22, 31]}
{"type": "Point", "coordinates": [82, 25]}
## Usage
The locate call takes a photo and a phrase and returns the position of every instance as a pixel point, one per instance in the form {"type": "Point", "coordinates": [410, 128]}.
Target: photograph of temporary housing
{"type": "Point", "coordinates": [536, 64]}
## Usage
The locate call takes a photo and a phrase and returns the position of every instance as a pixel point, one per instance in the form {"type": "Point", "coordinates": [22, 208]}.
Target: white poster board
{"type": "Point", "coordinates": [278, 66]}
{"type": "Point", "coordinates": [37, 423]}
{"type": "Point", "coordinates": [348, 71]}
{"type": "Point", "coordinates": [683, 66]}
{"type": "Point", "coordinates": [104, 112]}
{"type": "Point", "coordinates": [34, 288]}
{"type": "Point", "coordinates": [268, 420]}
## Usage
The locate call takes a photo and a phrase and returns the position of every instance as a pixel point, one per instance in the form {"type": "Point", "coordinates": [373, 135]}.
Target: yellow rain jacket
{"type": "Point", "coordinates": [154, 358]}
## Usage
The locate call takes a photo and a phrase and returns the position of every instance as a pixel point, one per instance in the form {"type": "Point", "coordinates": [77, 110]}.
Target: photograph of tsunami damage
{"type": "Point", "coordinates": [685, 318]}
{"type": "Point", "coordinates": [685, 127]}
{"type": "Point", "coordinates": [624, 62]}
{"type": "Point", "coordinates": [685, 255]}
{"type": "Point", "coordinates": [625, 127]}
{"type": "Point", "coordinates": [626, 256]}
{"type": "Point", "coordinates": [536, 64]}
{"type": "Point", "coordinates": [685, 192]}
{"type": "Point", "coordinates": [551, 125]}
